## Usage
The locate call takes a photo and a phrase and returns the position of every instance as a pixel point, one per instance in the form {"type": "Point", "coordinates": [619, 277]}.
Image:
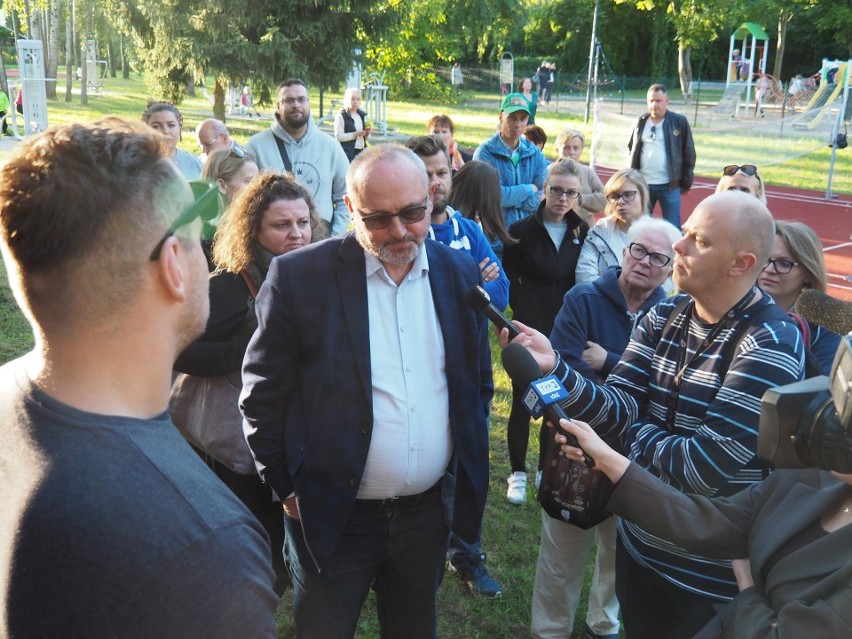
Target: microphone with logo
{"type": "Point", "coordinates": [570, 491]}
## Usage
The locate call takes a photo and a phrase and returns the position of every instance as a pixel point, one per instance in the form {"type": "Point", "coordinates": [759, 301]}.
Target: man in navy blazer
{"type": "Point", "coordinates": [365, 393]}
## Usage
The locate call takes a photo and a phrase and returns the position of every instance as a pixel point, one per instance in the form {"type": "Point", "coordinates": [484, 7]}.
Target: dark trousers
{"type": "Point", "coordinates": [397, 547]}
{"type": "Point", "coordinates": [669, 200]}
{"type": "Point", "coordinates": [518, 433]}
{"type": "Point", "coordinates": [653, 607]}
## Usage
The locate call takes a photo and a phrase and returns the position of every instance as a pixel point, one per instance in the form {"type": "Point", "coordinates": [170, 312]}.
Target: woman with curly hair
{"type": "Point", "coordinates": [164, 117]}
{"type": "Point", "coordinates": [274, 214]}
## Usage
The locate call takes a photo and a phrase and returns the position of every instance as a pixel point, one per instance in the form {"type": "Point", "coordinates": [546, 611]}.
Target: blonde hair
{"type": "Point", "coordinates": [617, 180]}
{"type": "Point", "coordinates": [806, 248]}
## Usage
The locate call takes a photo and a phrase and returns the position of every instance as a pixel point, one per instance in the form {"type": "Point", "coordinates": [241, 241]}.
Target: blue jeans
{"type": "Point", "coordinates": [669, 200]}
{"type": "Point", "coordinates": [398, 548]}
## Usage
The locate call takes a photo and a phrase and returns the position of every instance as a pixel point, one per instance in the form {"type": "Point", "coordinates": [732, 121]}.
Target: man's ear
{"type": "Point", "coordinates": [743, 264]}
{"type": "Point", "coordinates": [351, 207]}
{"type": "Point", "coordinates": [171, 270]}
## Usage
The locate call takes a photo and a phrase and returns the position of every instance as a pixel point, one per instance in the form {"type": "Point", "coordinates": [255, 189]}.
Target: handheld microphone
{"type": "Point", "coordinates": [480, 301]}
{"type": "Point", "coordinates": [543, 394]}
{"type": "Point", "coordinates": [824, 310]}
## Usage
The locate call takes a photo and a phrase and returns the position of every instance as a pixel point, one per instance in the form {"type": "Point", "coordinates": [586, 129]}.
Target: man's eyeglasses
{"type": "Point", "coordinates": [410, 215]}
{"type": "Point", "coordinates": [555, 191]}
{"type": "Point", "coordinates": [782, 267]}
{"type": "Point", "coordinates": [638, 252]}
{"type": "Point", "coordinates": [291, 101]}
{"type": "Point", "coordinates": [627, 196]}
{"type": "Point", "coordinates": [746, 169]}
{"type": "Point", "coordinates": [207, 206]}
{"type": "Point", "coordinates": [205, 146]}
{"type": "Point", "coordinates": [654, 132]}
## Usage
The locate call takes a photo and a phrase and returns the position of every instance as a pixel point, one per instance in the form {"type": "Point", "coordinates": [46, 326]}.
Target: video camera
{"type": "Point", "coordinates": [809, 424]}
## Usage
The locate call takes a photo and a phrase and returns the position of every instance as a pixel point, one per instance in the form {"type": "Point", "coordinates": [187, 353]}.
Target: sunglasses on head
{"type": "Point", "coordinates": [207, 206]}
{"type": "Point", "coordinates": [746, 169]}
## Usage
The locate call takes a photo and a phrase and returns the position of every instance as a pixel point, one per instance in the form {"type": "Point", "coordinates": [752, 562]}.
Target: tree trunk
{"type": "Point", "coordinates": [125, 63]}
{"type": "Point", "coordinates": [111, 55]}
{"type": "Point", "coordinates": [4, 82]}
{"type": "Point", "coordinates": [219, 101]}
{"type": "Point", "coordinates": [190, 85]}
{"type": "Point", "coordinates": [84, 68]}
{"type": "Point", "coordinates": [52, 49]}
{"type": "Point", "coordinates": [69, 57]}
{"type": "Point", "coordinates": [684, 68]}
{"type": "Point", "coordinates": [783, 20]}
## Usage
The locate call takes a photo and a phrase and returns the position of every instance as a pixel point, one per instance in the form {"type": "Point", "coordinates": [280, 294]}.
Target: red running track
{"type": "Point", "coordinates": [831, 219]}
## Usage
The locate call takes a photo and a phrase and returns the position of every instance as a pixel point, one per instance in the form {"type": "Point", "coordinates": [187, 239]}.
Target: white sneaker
{"type": "Point", "coordinates": [538, 474]}
{"type": "Point", "coordinates": [517, 492]}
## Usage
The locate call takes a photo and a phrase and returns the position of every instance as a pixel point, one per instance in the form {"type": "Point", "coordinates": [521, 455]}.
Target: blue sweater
{"type": "Point", "coordinates": [459, 232]}
{"type": "Point", "coordinates": [596, 311]}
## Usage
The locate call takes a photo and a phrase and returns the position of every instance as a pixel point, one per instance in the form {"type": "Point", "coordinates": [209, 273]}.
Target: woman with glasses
{"type": "Point", "coordinates": [165, 118]}
{"type": "Point", "coordinates": [273, 215]}
{"type": "Point", "coordinates": [797, 264]}
{"type": "Point", "coordinates": [591, 332]}
{"type": "Point", "coordinates": [743, 178]}
{"type": "Point", "coordinates": [541, 269]}
{"type": "Point", "coordinates": [569, 144]}
{"type": "Point", "coordinates": [350, 125]}
{"type": "Point", "coordinates": [627, 201]}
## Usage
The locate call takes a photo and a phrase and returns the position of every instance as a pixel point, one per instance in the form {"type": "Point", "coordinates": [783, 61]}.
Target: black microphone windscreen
{"type": "Point", "coordinates": [520, 365]}
{"type": "Point", "coordinates": [824, 310]}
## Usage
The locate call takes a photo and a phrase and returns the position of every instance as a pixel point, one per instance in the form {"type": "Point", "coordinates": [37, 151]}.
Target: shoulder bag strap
{"type": "Point", "coordinates": [283, 151]}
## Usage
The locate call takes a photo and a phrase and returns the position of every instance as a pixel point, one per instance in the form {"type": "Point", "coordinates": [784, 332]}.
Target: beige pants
{"type": "Point", "coordinates": [559, 575]}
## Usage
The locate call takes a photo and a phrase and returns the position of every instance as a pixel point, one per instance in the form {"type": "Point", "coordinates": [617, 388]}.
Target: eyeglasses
{"type": "Point", "coordinates": [207, 206]}
{"type": "Point", "coordinates": [653, 131]}
{"type": "Point", "coordinates": [782, 267]}
{"type": "Point", "coordinates": [627, 196]}
{"type": "Point", "coordinates": [555, 191]}
{"type": "Point", "coordinates": [410, 215]}
{"type": "Point", "coordinates": [638, 252]}
{"type": "Point", "coordinates": [746, 169]}
{"type": "Point", "coordinates": [205, 146]}
{"type": "Point", "coordinates": [291, 101]}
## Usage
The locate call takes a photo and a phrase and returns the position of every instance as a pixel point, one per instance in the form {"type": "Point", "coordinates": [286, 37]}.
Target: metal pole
{"type": "Point", "coordinates": [841, 116]}
{"type": "Point", "coordinates": [591, 62]}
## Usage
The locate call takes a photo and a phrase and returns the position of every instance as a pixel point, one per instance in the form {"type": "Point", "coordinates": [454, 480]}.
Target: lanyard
{"type": "Point", "coordinates": [733, 314]}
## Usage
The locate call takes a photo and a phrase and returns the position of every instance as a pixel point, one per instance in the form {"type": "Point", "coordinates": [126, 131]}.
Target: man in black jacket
{"type": "Point", "coordinates": [661, 148]}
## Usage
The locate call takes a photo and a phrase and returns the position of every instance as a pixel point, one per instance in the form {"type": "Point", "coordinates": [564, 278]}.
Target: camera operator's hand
{"type": "Point", "coordinates": [742, 573]}
{"type": "Point", "coordinates": [612, 463]}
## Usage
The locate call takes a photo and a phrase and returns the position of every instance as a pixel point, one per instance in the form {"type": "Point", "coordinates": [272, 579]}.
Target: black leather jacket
{"type": "Point", "coordinates": [680, 150]}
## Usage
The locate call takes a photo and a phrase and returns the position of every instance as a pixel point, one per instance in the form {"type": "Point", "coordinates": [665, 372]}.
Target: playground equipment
{"type": "Point", "coordinates": [834, 78]}
{"type": "Point", "coordinates": [507, 72]}
{"type": "Point", "coordinates": [31, 65]}
{"type": "Point", "coordinates": [376, 101]}
{"type": "Point", "coordinates": [844, 81]}
{"type": "Point", "coordinates": [742, 71]}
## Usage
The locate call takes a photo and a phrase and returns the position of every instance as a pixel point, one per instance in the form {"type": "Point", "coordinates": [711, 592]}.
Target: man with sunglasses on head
{"type": "Point", "coordinates": [295, 143]}
{"type": "Point", "coordinates": [661, 147]}
{"type": "Point", "coordinates": [212, 135]}
{"type": "Point", "coordinates": [743, 178]}
{"type": "Point", "coordinates": [365, 393]}
{"type": "Point", "coordinates": [111, 525]}
{"type": "Point", "coordinates": [684, 403]}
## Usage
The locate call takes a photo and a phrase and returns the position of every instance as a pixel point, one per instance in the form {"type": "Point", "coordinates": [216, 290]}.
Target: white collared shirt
{"type": "Point", "coordinates": [411, 444]}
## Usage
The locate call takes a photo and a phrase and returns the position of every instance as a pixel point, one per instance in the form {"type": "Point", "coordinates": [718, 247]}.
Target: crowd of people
{"type": "Point", "coordinates": [302, 321]}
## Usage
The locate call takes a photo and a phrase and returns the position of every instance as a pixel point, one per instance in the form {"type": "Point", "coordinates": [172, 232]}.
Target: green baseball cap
{"type": "Point", "coordinates": [515, 102]}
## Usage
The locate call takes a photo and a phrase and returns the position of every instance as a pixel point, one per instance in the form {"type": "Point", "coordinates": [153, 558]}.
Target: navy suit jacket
{"type": "Point", "coordinates": [307, 387]}
{"type": "Point", "coordinates": [807, 593]}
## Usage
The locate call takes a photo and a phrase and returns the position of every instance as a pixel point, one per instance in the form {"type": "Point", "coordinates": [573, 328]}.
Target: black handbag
{"type": "Point", "coordinates": [572, 492]}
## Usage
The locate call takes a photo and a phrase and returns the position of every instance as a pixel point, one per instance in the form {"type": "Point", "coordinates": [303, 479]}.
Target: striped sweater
{"type": "Point", "coordinates": [711, 448]}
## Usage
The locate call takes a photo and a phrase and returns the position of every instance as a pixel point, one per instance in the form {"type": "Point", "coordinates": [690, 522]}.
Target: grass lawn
{"type": "Point", "coordinates": [511, 533]}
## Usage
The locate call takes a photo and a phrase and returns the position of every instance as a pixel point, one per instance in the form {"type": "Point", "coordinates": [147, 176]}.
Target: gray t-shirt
{"type": "Point", "coordinates": [113, 527]}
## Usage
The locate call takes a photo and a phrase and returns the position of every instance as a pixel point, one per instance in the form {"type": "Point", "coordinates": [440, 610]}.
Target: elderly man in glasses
{"type": "Point", "coordinates": [366, 390]}
{"type": "Point", "coordinates": [591, 332]}
{"type": "Point", "coordinates": [294, 143]}
{"type": "Point", "coordinates": [743, 178]}
{"type": "Point", "coordinates": [111, 525]}
{"type": "Point", "coordinates": [661, 148]}
{"type": "Point", "coordinates": [212, 135]}
{"type": "Point", "coordinates": [684, 403]}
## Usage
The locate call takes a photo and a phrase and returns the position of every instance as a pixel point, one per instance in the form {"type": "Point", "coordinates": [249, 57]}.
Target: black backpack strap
{"type": "Point", "coordinates": [769, 312]}
{"type": "Point", "coordinates": [285, 158]}
{"type": "Point", "coordinates": [677, 310]}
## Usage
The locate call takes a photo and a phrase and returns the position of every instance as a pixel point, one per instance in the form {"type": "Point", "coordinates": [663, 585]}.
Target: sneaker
{"type": "Point", "coordinates": [538, 474]}
{"type": "Point", "coordinates": [591, 634]}
{"type": "Point", "coordinates": [517, 492]}
{"type": "Point", "coordinates": [480, 583]}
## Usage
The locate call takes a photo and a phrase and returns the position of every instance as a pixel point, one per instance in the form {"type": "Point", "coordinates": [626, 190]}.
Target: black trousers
{"type": "Point", "coordinates": [653, 607]}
